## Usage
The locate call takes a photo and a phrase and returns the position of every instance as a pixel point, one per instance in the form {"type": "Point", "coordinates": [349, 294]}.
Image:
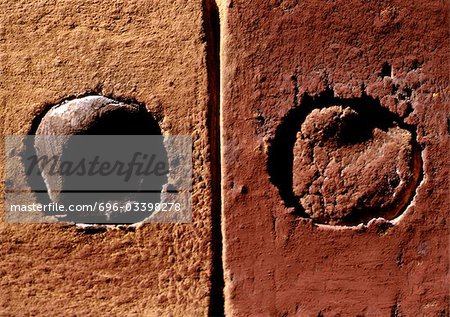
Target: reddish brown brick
{"type": "Point", "coordinates": [300, 174]}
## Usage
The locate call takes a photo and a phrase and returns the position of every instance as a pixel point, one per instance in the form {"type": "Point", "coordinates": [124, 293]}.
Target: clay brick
{"type": "Point", "coordinates": [149, 52]}
{"type": "Point", "coordinates": [329, 210]}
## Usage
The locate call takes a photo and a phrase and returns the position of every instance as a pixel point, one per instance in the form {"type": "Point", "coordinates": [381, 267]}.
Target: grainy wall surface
{"type": "Point", "coordinates": [320, 145]}
{"type": "Point", "coordinates": [295, 74]}
{"type": "Point", "coordinates": [152, 52]}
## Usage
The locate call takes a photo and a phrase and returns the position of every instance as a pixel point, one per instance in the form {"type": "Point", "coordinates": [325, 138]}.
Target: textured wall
{"type": "Point", "coordinates": [152, 52]}
{"type": "Point", "coordinates": [330, 108]}
{"type": "Point", "coordinates": [320, 137]}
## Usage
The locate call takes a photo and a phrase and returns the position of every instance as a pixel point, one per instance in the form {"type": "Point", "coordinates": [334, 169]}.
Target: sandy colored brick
{"type": "Point", "coordinates": [152, 52]}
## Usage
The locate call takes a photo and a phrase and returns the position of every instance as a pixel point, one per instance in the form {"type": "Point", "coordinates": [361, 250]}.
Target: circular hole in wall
{"type": "Point", "coordinates": [96, 116]}
{"type": "Point", "coordinates": [344, 161]}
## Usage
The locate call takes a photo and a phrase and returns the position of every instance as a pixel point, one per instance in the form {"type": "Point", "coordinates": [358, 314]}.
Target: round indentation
{"type": "Point", "coordinates": [344, 162]}
{"type": "Point", "coordinates": [93, 115]}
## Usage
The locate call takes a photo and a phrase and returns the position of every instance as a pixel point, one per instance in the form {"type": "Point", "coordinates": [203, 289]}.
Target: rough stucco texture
{"type": "Point", "coordinates": [293, 252]}
{"type": "Point", "coordinates": [147, 51]}
{"type": "Point", "coordinates": [333, 114]}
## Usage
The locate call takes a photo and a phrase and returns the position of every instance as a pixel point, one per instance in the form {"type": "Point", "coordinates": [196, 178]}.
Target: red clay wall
{"type": "Point", "coordinates": [314, 93]}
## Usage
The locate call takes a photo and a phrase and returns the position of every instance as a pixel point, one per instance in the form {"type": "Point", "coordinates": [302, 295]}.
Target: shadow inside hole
{"type": "Point", "coordinates": [386, 70]}
{"type": "Point", "coordinates": [357, 129]}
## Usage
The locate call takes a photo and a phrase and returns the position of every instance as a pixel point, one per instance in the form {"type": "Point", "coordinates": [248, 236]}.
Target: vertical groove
{"type": "Point", "coordinates": [212, 36]}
